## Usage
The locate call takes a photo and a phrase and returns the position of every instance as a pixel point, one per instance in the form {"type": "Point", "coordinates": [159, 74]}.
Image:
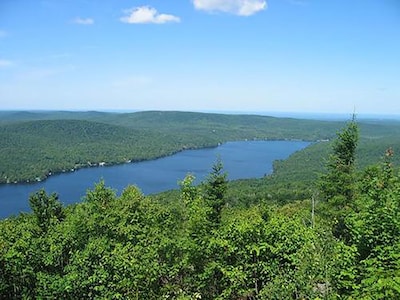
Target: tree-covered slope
{"type": "Point", "coordinates": [33, 149]}
{"type": "Point", "coordinates": [229, 127]}
{"type": "Point", "coordinates": [8, 117]}
{"type": "Point", "coordinates": [335, 245]}
{"type": "Point", "coordinates": [36, 143]}
{"type": "Point", "coordinates": [294, 178]}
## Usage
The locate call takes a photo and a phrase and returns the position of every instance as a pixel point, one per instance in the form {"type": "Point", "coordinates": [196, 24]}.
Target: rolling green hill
{"type": "Point", "coordinates": [34, 144]}
{"type": "Point", "coordinates": [286, 236]}
{"type": "Point", "coordinates": [33, 149]}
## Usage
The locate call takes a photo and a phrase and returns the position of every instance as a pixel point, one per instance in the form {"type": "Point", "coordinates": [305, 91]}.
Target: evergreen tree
{"type": "Point", "coordinates": [374, 230]}
{"type": "Point", "coordinates": [215, 189]}
{"type": "Point", "coordinates": [337, 186]}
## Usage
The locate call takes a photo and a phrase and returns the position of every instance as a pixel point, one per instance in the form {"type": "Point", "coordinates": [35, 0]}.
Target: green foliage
{"type": "Point", "coordinates": [33, 150]}
{"type": "Point", "coordinates": [189, 192]}
{"type": "Point", "coordinates": [47, 209]}
{"type": "Point", "coordinates": [35, 145]}
{"type": "Point", "coordinates": [375, 231]}
{"type": "Point", "coordinates": [168, 246]}
{"type": "Point", "coordinates": [215, 189]}
{"type": "Point", "coordinates": [337, 185]}
{"type": "Point", "coordinates": [100, 196]}
{"type": "Point", "coordinates": [19, 258]}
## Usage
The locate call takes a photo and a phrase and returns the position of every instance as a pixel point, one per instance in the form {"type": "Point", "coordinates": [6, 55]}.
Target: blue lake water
{"type": "Point", "coordinates": [251, 159]}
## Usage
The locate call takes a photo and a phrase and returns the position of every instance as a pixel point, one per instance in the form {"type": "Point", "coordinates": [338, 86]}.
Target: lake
{"type": "Point", "coordinates": [250, 159]}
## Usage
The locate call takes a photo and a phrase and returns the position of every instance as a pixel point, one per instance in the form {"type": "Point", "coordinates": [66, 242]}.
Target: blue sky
{"type": "Point", "coordinates": [238, 55]}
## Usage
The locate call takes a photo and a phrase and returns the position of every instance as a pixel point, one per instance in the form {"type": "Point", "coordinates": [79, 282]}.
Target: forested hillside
{"type": "Point", "coordinates": [36, 144]}
{"type": "Point", "coordinates": [209, 242]}
{"type": "Point", "coordinates": [34, 149]}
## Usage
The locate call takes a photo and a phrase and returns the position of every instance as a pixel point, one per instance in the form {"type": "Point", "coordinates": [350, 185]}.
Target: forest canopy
{"type": "Point", "coordinates": [37, 144]}
{"type": "Point", "coordinates": [210, 241]}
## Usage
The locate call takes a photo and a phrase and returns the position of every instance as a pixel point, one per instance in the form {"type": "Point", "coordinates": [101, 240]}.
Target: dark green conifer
{"type": "Point", "coordinates": [337, 185]}
{"type": "Point", "coordinates": [215, 189]}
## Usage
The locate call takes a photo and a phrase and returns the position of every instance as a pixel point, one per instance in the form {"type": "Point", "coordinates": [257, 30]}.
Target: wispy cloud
{"type": "Point", "coordinates": [6, 63]}
{"type": "Point", "coordinates": [60, 55]}
{"type": "Point", "coordinates": [3, 33]}
{"type": "Point", "coordinates": [83, 21]}
{"type": "Point", "coordinates": [299, 2]}
{"type": "Point", "coordinates": [236, 7]}
{"type": "Point", "coordinates": [147, 14]}
{"type": "Point", "coordinates": [37, 74]}
{"type": "Point", "coordinates": [132, 82]}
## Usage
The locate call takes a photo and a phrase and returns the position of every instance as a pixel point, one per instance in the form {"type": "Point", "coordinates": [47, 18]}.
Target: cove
{"type": "Point", "coordinates": [244, 159]}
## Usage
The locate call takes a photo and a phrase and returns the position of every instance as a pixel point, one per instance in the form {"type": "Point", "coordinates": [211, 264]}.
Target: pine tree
{"type": "Point", "coordinates": [215, 189]}
{"type": "Point", "coordinates": [337, 185]}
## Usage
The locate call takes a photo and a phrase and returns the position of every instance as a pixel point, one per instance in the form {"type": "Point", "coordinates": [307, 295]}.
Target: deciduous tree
{"type": "Point", "coordinates": [47, 209]}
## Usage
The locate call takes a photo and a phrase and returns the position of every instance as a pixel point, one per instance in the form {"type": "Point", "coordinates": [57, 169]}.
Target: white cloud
{"type": "Point", "coordinates": [81, 21]}
{"type": "Point", "coordinates": [6, 63]}
{"type": "Point", "coordinates": [237, 7]}
{"type": "Point", "coordinates": [147, 14]}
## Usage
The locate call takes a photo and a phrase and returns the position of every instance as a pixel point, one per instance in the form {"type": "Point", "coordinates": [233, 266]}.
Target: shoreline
{"type": "Point", "coordinates": [75, 168]}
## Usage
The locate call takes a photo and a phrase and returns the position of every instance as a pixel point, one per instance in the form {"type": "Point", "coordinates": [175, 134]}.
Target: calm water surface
{"type": "Point", "coordinates": [241, 160]}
